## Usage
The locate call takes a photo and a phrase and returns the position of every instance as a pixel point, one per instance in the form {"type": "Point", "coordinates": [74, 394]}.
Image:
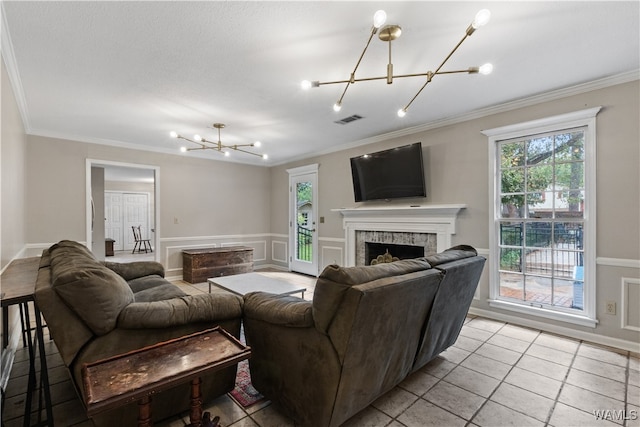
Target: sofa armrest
{"type": "Point", "coordinates": [180, 311]}
{"type": "Point", "coordinates": [136, 269]}
{"type": "Point", "coordinates": [282, 310]}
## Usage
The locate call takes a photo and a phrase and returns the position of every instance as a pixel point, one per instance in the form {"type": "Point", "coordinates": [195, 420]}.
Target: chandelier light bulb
{"type": "Point", "coordinates": [197, 138]}
{"type": "Point", "coordinates": [482, 18]}
{"type": "Point", "coordinates": [486, 69]}
{"type": "Point", "coordinates": [306, 85]}
{"type": "Point", "coordinates": [257, 144]}
{"type": "Point", "coordinates": [227, 154]}
{"type": "Point", "coordinates": [183, 149]}
{"type": "Point", "coordinates": [173, 134]}
{"type": "Point", "coordinates": [402, 112]}
{"type": "Point", "coordinates": [379, 18]}
{"type": "Point", "coordinates": [265, 157]}
{"type": "Point", "coordinates": [337, 107]}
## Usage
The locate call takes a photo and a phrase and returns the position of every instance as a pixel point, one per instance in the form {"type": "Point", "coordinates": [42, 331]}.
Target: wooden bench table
{"type": "Point", "coordinates": [200, 264]}
{"type": "Point", "coordinates": [136, 375]}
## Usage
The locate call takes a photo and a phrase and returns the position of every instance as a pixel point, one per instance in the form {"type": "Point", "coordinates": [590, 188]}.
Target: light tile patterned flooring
{"type": "Point", "coordinates": [496, 374]}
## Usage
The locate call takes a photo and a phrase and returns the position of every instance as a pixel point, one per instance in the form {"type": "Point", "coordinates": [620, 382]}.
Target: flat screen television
{"type": "Point", "coordinates": [390, 174]}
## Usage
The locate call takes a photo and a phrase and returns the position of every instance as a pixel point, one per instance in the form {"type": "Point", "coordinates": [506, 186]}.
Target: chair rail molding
{"type": "Point", "coordinates": [436, 219]}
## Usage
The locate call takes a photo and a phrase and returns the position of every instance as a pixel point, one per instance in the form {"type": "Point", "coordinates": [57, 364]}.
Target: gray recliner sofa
{"type": "Point", "coordinates": [95, 310]}
{"type": "Point", "coordinates": [367, 328]}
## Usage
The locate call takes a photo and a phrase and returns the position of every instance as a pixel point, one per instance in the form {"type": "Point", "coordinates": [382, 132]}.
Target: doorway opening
{"type": "Point", "coordinates": [121, 195]}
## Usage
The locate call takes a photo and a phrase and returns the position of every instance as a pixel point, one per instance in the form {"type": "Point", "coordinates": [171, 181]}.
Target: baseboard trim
{"type": "Point", "coordinates": [572, 333]}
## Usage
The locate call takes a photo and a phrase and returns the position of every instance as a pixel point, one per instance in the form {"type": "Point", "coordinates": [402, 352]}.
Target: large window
{"type": "Point", "coordinates": [543, 229]}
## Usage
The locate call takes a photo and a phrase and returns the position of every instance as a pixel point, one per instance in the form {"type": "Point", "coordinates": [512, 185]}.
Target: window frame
{"type": "Point", "coordinates": [583, 118]}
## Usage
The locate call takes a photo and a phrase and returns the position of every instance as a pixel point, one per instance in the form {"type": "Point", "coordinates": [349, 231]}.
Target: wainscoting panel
{"type": "Point", "coordinates": [629, 304]}
{"type": "Point", "coordinates": [331, 255]}
{"type": "Point", "coordinates": [279, 252]}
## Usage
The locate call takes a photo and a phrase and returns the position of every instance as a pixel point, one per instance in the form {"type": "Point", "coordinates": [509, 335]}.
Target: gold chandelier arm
{"type": "Point", "coordinates": [214, 145]}
{"type": "Point", "coordinates": [219, 145]}
{"type": "Point", "coordinates": [451, 53]}
{"type": "Point", "coordinates": [351, 80]}
{"type": "Point", "coordinates": [430, 75]}
{"type": "Point", "coordinates": [469, 70]}
{"type": "Point", "coordinates": [245, 151]}
{"type": "Point", "coordinates": [202, 147]}
{"type": "Point", "coordinates": [186, 139]}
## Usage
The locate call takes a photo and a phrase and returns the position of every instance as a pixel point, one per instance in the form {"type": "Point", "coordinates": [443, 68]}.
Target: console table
{"type": "Point", "coordinates": [137, 375]}
{"type": "Point", "coordinates": [200, 264]}
{"type": "Point", "coordinates": [18, 288]}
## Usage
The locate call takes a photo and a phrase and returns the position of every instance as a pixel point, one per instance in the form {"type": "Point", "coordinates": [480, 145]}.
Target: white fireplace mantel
{"type": "Point", "coordinates": [437, 219]}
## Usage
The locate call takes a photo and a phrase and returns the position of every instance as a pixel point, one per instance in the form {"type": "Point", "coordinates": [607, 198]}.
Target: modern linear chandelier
{"type": "Point", "coordinates": [389, 33]}
{"type": "Point", "coordinates": [217, 146]}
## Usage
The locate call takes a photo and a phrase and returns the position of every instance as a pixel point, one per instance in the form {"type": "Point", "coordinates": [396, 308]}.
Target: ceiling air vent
{"type": "Point", "coordinates": [349, 119]}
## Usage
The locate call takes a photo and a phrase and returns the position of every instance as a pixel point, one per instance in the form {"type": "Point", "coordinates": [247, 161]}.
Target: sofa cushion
{"type": "Point", "coordinates": [452, 254]}
{"type": "Point", "coordinates": [181, 311]}
{"type": "Point", "coordinates": [68, 248]}
{"type": "Point", "coordinates": [334, 281]}
{"type": "Point", "coordinates": [158, 292]}
{"type": "Point", "coordinates": [136, 269]}
{"type": "Point", "coordinates": [95, 293]}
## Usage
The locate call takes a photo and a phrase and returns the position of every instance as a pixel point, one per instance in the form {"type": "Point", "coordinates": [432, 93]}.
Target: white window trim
{"type": "Point", "coordinates": [583, 118]}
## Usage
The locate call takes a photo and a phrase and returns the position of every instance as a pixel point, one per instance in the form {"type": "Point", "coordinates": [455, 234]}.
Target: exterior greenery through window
{"type": "Point", "coordinates": [304, 234]}
{"type": "Point", "coordinates": [543, 217]}
{"type": "Point", "coordinates": [541, 226]}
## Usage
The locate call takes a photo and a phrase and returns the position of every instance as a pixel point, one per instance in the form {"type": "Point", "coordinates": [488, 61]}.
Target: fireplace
{"type": "Point", "coordinates": [380, 251]}
{"type": "Point", "coordinates": [405, 244]}
{"type": "Point", "coordinates": [428, 226]}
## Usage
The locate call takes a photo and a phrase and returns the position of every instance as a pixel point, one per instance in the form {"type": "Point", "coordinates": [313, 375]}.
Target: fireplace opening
{"type": "Point", "coordinates": [375, 250]}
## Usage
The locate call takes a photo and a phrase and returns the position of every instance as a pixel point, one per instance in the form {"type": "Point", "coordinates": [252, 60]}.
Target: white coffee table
{"type": "Point", "coordinates": [241, 284]}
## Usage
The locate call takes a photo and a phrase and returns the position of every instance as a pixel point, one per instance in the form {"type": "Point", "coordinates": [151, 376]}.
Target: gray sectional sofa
{"type": "Point", "coordinates": [95, 310]}
{"type": "Point", "coordinates": [367, 328]}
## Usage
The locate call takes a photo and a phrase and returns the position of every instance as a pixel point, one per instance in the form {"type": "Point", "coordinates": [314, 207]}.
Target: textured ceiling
{"type": "Point", "coordinates": [128, 73]}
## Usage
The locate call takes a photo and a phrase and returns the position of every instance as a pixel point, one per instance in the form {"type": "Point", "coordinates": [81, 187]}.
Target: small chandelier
{"type": "Point", "coordinates": [204, 144]}
{"type": "Point", "coordinates": [389, 33]}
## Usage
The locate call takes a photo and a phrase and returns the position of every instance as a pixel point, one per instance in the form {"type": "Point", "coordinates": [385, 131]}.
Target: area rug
{"type": "Point", "coordinates": [244, 394]}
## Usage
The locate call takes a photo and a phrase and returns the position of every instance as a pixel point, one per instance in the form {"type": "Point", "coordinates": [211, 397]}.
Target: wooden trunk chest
{"type": "Point", "coordinates": [200, 264]}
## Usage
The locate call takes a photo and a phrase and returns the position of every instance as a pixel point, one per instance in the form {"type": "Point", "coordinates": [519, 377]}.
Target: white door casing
{"type": "Point", "coordinates": [303, 236]}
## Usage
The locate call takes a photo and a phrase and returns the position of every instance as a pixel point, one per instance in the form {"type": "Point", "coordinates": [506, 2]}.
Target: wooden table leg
{"type": "Point", "coordinates": [196, 403]}
{"type": "Point", "coordinates": [144, 412]}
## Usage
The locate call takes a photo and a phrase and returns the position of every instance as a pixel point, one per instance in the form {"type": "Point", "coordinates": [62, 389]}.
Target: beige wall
{"type": "Point", "coordinates": [457, 171]}
{"type": "Point", "coordinates": [12, 160]}
{"type": "Point", "coordinates": [202, 202]}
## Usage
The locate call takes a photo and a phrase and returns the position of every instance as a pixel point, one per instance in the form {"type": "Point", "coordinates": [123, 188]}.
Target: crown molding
{"type": "Point", "coordinates": [127, 145]}
{"type": "Point", "coordinates": [8, 55]}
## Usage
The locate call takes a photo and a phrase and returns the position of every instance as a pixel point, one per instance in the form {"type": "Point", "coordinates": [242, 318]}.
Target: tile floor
{"type": "Point", "coordinates": [496, 374]}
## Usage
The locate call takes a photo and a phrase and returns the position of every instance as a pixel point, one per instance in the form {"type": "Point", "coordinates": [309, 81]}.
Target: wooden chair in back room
{"type": "Point", "coordinates": [140, 243]}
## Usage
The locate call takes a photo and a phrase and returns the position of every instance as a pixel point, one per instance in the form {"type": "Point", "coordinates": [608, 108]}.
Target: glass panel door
{"type": "Point", "coordinates": [302, 225]}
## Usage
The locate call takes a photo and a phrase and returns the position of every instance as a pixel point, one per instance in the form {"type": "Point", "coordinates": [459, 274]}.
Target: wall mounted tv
{"type": "Point", "coordinates": [390, 174]}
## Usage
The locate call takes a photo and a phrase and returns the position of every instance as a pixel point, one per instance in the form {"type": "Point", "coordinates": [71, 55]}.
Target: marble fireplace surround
{"type": "Point", "coordinates": [414, 222]}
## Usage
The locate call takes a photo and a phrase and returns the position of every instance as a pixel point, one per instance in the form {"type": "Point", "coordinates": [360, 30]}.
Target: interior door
{"type": "Point", "coordinates": [303, 208]}
{"type": "Point", "coordinates": [136, 213]}
{"type": "Point", "coordinates": [122, 211]}
{"type": "Point", "coordinates": [113, 224]}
